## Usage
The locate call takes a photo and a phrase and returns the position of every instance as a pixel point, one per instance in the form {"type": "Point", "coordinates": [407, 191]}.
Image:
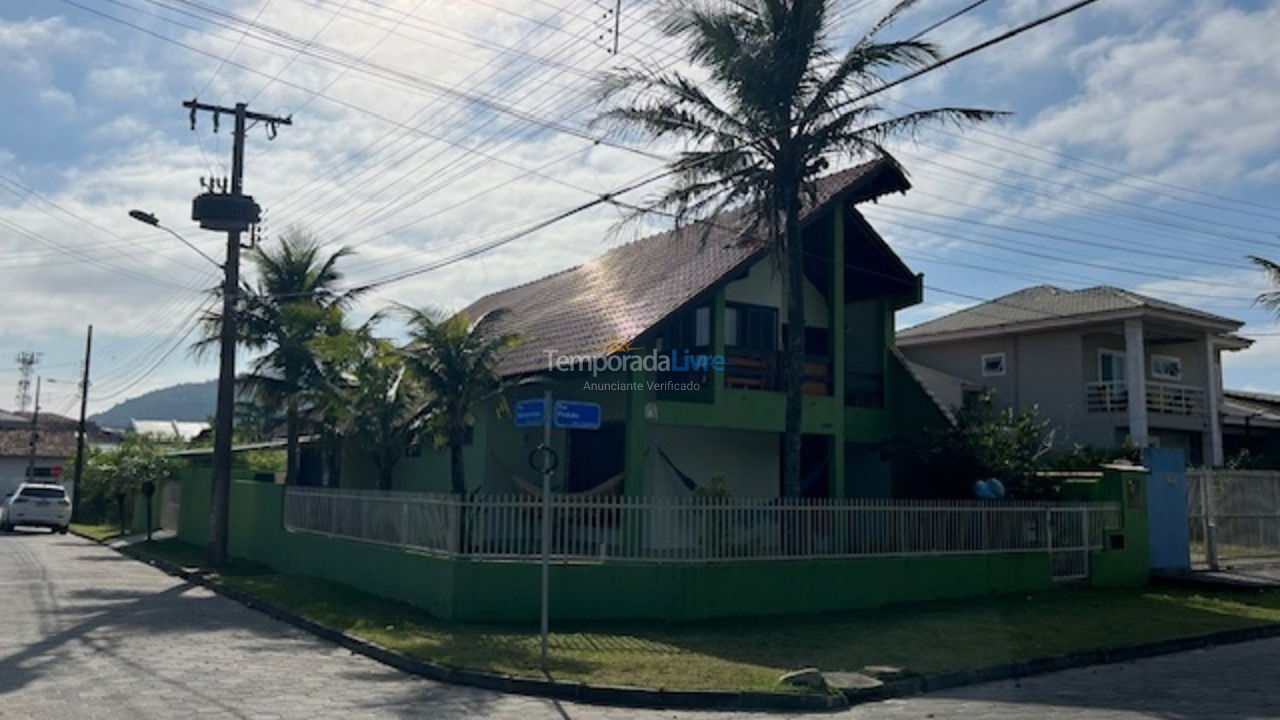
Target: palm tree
{"type": "Point", "coordinates": [1271, 298]}
{"type": "Point", "coordinates": [366, 395]}
{"type": "Point", "coordinates": [779, 104]}
{"type": "Point", "coordinates": [294, 299]}
{"type": "Point", "coordinates": [454, 358]}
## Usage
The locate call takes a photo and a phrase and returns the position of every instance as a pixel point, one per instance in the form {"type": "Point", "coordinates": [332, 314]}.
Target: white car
{"type": "Point", "coordinates": [36, 504]}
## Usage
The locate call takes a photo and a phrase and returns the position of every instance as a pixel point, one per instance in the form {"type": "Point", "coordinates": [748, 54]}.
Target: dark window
{"type": "Point", "coordinates": [688, 330]}
{"type": "Point", "coordinates": [751, 327]}
{"type": "Point", "coordinates": [43, 492]}
{"type": "Point", "coordinates": [817, 342]}
{"type": "Point", "coordinates": [595, 455]}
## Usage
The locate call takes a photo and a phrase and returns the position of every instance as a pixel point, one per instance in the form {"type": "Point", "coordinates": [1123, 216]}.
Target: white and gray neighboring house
{"type": "Point", "coordinates": [1103, 364]}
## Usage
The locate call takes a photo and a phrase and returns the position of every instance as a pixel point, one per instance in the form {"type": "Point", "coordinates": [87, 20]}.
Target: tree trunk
{"type": "Point", "coordinates": [793, 356]}
{"type": "Point", "coordinates": [291, 462]}
{"type": "Point", "coordinates": [458, 478]}
{"type": "Point", "coordinates": [120, 508]}
{"type": "Point", "coordinates": [457, 471]}
{"type": "Point", "coordinates": [386, 474]}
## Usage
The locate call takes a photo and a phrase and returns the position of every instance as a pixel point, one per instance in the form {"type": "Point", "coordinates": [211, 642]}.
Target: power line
{"type": "Point", "coordinates": [342, 58]}
{"type": "Point", "coordinates": [1101, 166]}
{"type": "Point", "coordinates": [611, 197]}
{"type": "Point", "coordinates": [1009, 34]}
{"type": "Point", "coordinates": [962, 11]}
{"type": "Point", "coordinates": [239, 41]}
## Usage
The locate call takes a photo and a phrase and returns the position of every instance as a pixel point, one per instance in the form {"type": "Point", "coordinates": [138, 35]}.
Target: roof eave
{"type": "Point", "coordinates": [1057, 323]}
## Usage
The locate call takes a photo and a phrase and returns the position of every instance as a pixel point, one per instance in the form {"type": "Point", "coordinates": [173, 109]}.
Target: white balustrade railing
{"type": "Point", "coordinates": [1166, 398]}
{"type": "Point", "coordinates": [695, 529]}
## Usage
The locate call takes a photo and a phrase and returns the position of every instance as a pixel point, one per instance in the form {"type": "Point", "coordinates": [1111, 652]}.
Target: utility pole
{"type": "Point", "coordinates": [234, 213]}
{"type": "Point", "coordinates": [35, 434]}
{"type": "Point", "coordinates": [84, 406]}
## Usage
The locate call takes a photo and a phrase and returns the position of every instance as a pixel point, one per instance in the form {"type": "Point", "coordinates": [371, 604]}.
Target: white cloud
{"type": "Point", "coordinates": [354, 179]}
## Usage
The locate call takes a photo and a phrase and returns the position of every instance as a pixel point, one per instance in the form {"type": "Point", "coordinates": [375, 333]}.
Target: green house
{"type": "Point", "coordinates": [679, 337]}
{"type": "Point", "coordinates": [673, 508]}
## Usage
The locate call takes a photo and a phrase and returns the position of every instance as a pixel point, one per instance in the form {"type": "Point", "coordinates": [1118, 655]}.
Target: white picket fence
{"type": "Point", "coordinates": [665, 530]}
{"type": "Point", "coordinates": [1238, 509]}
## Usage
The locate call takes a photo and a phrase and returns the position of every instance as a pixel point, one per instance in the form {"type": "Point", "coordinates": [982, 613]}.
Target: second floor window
{"type": "Point", "coordinates": [688, 331]}
{"type": "Point", "coordinates": [993, 365]}
{"type": "Point", "coordinates": [1166, 367]}
{"type": "Point", "coordinates": [751, 327]}
{"type": "Point", "coordinates": [1110, 366]}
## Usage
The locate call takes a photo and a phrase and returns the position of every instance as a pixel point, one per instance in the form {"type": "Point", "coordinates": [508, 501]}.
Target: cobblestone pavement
{"type": "Point", "coordinates": [87, 633]}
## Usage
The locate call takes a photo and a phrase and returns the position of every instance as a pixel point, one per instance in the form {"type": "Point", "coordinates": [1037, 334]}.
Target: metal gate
{"type": "Point", "coordinates": [1234, 515]}
{"type": "Point", "coordinates": [1068, 543]}
{"type": "Point", "coordinates": [171, 505]}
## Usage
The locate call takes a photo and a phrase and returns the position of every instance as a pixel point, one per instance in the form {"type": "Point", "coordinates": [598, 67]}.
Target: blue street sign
{"type": "Point", "coordinates": [530, 413]}
{"type": "Point", "coordinates": [577, 415]}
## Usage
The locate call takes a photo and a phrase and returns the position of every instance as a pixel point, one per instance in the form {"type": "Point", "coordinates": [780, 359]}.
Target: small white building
{"type": "Point", "coordinates": [55, 449]}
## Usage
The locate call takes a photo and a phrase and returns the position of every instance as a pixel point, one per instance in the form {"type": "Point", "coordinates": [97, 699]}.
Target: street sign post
{"type": "Point", "coordinates": [569, 415]}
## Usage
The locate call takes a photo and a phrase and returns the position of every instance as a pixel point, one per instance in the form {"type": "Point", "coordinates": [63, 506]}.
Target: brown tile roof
{"type": "Point", "coordinates": [630, 288]}
{"type": "Point", "coordinates": [57, 435]}
{"type": "Point", "coordinates": [1046, 302]}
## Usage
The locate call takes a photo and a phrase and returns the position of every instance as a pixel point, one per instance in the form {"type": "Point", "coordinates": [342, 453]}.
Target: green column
{"type": "Point", "coordinates": [637, 436]}
{"type": "Point", "coordinates": [717, 344]}
{"type": "Point", "coordinates": [637, 448]}
{"type": "Point", "coordinates": [838, 338]}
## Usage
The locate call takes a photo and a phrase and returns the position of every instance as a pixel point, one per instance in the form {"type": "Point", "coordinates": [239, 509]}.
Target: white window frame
{"type": "Point", "coordinates": [702, 326]}
{"type": "Point", "coordinates": [1166, 376]}
{"type": "Point", "coordinates": [1124, 368]}
{"type": "Point", "coordinates": [730, 326]}
{"type": "Point", "coordinates": [1004, 367]}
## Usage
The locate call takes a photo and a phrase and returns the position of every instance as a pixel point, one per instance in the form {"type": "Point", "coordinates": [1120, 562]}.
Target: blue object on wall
{"type": "Point", "coordinates": [1167, 508]}
{"type": "Point", "coordinates": [990, 489]}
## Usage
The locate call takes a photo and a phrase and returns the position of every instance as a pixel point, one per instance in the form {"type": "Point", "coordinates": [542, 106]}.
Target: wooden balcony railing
{"type": "Point", "coordinates": [756, 370]}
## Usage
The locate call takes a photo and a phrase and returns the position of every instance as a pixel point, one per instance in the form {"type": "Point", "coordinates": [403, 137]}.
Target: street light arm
{"type": "Point", "coordinates": [147, 218]}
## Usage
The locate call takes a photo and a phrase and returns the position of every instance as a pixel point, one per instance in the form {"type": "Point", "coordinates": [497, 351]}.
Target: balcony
{"type": "Point", "coordinates": [756, 370]}
{"type": "Point", "coordinates": [1164, 398]}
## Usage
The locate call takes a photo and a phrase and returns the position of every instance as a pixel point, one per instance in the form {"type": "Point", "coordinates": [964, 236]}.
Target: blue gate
{"type": "Point", "coordinates": [1167, 508]}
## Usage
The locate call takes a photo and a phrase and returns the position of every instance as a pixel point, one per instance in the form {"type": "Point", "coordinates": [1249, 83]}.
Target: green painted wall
{"type": "Point", "coordinates": [489, 590]}
{"type": "Point", "coordinates": [1118, 567]}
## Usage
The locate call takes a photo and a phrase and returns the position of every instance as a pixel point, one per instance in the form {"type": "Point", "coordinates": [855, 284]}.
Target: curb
{"type": "Point", "coordinates": [1039, 666]}
{"type": "Point", "coordinates": [621, 696]}
{"type": "Point", "coordinates": [658, 698]}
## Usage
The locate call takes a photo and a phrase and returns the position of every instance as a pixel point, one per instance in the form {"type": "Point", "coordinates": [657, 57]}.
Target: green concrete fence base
{"type": "Point", "coordinates": [508, 591]}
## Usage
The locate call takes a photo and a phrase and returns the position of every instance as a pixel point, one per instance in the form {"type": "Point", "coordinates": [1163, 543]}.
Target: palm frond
{"type": "Point", "coordinates": [1271, 298]}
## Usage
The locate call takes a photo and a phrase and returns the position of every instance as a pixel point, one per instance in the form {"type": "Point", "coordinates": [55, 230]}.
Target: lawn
{"type": "Point", "coordinates": [97, 531]}
{"type": "Point", "coordinates": [751, 653]}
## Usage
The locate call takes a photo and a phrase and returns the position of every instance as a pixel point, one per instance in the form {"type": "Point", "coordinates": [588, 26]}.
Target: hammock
{"type": "Point", "coordinates": [692, 484]}
{"type": "Point", "coordinates": [534, 487]}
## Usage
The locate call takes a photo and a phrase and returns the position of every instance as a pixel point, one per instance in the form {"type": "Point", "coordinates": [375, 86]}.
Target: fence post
{"type": "Point", "coordinates": [1087, 538]}
{"type": "Point", "coordinates": [1210, 522]}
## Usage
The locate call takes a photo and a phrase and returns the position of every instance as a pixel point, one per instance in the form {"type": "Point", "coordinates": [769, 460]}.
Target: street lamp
{"type": "Point", "coordinates": [147, 218]}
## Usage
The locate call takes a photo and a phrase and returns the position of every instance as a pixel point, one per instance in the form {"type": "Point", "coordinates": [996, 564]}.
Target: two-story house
{"type": "Point", "coordinates": [1104, 365]}
{"type": "Point", "coordinates": [679, 337]}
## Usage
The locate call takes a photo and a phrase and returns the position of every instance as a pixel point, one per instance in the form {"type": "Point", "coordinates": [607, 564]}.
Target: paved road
{"type": "Point", "coordinates": [87, 633]}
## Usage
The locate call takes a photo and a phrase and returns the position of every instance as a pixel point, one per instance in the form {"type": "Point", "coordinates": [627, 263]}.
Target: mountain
{"type": "Point", "coordinates": [188, 401]}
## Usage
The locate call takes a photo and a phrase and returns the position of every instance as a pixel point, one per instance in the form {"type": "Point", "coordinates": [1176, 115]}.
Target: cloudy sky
{"type": "Point", "coordinates": [1142, 151]}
